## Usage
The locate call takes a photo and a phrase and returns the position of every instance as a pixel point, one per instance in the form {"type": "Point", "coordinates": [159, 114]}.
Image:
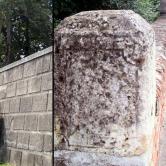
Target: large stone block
{"type": "Point", "coordinates": [48, 143]}
{"type": "Point", "coordinates": [105, 84]}
{"type": "Point", "coordinates": [47, 81]}
{"type": "Point", "coordinates": [47, 160]}
{"type": "Point", "coordinates": [23, 140]}
{"type": "Point", "coordinates": [40, 102]}
{"type": "Point", "coordinates": [36, 142]}
{"type": "Point", "coordinates": [30, 68]}
{"type": "Point", "coordinates": [34, 84]}
{"type": "Point", "coordinates": [22, 87]}
{"type": "Point", "coordinates": [11, 90]}
{"type": "Point", "coordinates": [39, 65]}
{"type": "Point", "coordinates": [15, 105]}
{"type": "Point", "coordinates": [4, 106]}
{"type": "Point", "coordinates": [8, 121]}
{"type": "Point", "coordinates": [15, 157]}
{"type": "Point", "coordinates": [26, 104]}
{"type": "Point", "coordinates": [49, 105]}
{"type": "Point", "coordinates": [38, 160]}
{"type": "Point", "coordinates": [3, 91]}
{"type": "Point", "coordinates": [46, 63]}
{"type": "Point", "coordinates": [11, 138]}
{"type": "Point", "coordinates": [13, 74]}
{"type": "Point", "coordinates": [1, 78]}
{"type": "Point", "coordinates": [31, 122]}
{"type": "Point", "coordinates": [18, 122]}
{"type": "Point", "coordinates": [45, 122]}
{"type": "Point", "coordinates": [28, 159]}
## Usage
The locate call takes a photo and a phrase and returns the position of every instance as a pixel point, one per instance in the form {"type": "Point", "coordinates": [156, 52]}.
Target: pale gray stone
{"type": "Point", "coordinates": [46, 63]}
{"type": "Point", "coordinates": [30, 68]}
{"type": "Point", "coordinates": [13, 74]}
{"type": "Point", "coordinates": [3, 91]}
{"type": "Point", "coordinates": [48, 143]}
{"type": "Point", "coordinates": [23, 140]}
{"type": "Point", "coordinates": [4, 107]}
{"type": "Point", "coordinates": [47, 160]}
{"type": "Point", "coordinates": [26, 104]}
{"type": "Point", "coordinates": [45, 122]}
{"type": "Point", "coordinates": [31, 122]}
{"type": "Point", "coordinates": [38, 160]}
{"type": "Point", "coordinates": [47, 81]}
{"type": "Point", "coordinates": [22, 87]}
{"type": "Point", "coordinates": [15, 157]}
{"type": "Point", "coordinates": [36, 142]}
{"type": "Point", "coordinates": [49, 105]}
{"type": "Point", "coordinates": [11, 138]}
{"type": "Point", "coordinates": [18, 122]}
{"type": "Point", "coordinates": [34, 84]}
{"type": "Point", "coordinates": [1, 78]}
{"type": "Point", "coordinates": [39, 102]}
{"type": "Point", "coordinates": [70, 158]}
{"type": "Point", "coordinates": [15, 105]}
{"type": "Point", "coordinates": [11, 90]}
{"type": "Point", "coordinates": [39, 65]}
{"type": "Point", "coordinates": [7, 121]}
{"type": "Point", "coordinates": [27, 159]}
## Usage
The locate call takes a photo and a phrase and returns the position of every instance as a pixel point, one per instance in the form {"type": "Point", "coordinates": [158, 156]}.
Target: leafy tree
{"type": "Point", "coordinates": [25, 26]}
{"type": "Point", "coordinates": [149, 9]}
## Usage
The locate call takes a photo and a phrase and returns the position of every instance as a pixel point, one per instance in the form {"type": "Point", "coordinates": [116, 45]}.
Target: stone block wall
{"type": "Point", "coordinates": [26, 109]}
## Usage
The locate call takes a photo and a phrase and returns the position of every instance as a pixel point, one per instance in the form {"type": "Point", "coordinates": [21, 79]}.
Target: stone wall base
{"type": "Point", "coordinates": [76, 158]}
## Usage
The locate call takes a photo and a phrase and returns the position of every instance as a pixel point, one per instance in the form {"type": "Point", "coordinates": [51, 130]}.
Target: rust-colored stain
{"type": "Point", "coordinates": [143, 147]}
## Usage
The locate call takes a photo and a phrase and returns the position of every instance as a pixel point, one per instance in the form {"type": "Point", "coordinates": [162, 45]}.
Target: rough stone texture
{"type": "Point", "coordinates": [105, 85]}
{"type": "Point", "coordinates": [24, 107]}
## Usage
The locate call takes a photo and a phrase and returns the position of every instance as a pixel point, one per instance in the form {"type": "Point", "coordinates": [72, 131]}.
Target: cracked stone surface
{"type": "Point", "coordinates": [104, 83]}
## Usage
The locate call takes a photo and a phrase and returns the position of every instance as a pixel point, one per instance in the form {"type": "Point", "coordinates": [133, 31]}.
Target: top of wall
{"type": "Point", "coordinates": [26, 59]}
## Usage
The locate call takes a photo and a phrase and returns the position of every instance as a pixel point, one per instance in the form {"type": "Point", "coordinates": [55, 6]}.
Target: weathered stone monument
{"type": "Point", "coordinates": [105, 90]}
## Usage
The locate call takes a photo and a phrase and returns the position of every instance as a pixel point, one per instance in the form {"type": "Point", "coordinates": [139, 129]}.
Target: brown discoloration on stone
{"type": "Point", "coordinates": [143, 147]}
{"type": "Point", "coordinates": [101, 83]}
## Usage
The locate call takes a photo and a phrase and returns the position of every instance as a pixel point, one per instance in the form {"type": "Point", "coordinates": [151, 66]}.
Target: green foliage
{"type": "Point", "coordinates": [149, 9]}
{"type": "Point", "coordinates": [5, 164]}
{"type": "Point", "coordinates": [25, 28]}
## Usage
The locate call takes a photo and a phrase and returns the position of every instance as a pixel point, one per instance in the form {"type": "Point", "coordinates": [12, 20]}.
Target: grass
{"type": "Point", "coordinates": [4, 165]}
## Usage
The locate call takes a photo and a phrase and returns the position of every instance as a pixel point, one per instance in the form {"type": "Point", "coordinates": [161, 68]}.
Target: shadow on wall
{"type": "Point", "coordinates": [3, 148]}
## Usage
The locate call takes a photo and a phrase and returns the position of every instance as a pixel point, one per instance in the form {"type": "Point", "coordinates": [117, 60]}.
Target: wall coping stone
{"type": "Point", "coordinates": [27, 59]}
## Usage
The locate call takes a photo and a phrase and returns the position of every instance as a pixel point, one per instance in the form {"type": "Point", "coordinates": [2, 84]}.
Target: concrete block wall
{"type": "Point", "coordinates": [26, 109]}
